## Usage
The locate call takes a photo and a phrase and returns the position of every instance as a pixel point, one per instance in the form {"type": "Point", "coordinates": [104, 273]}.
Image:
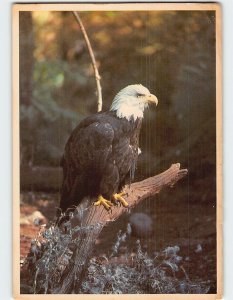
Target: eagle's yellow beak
{"type": "Point", "coordinates": [152, 99]}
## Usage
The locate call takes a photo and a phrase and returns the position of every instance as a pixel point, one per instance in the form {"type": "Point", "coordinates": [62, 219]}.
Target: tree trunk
{"type": "Point", "coordinates": [59, 266]}
{"type": "Point", "coordinates": [92, 219]}
{"type": "Point", "coordinates": [26, 61]}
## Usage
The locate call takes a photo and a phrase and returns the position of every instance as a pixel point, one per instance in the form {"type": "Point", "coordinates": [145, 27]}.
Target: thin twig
{"type": "Point", "coordinates": [97, 76]}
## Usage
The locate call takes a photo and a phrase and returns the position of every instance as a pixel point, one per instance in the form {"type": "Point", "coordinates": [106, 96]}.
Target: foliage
{"type": "Point", "coordinates": [137, 274]}
{"type": "Point", "coordinates": [172, 53]}
{"type": "Point", "coordinates": [46, 123]}
{"type": "Point", "coordinates": [141, 275]}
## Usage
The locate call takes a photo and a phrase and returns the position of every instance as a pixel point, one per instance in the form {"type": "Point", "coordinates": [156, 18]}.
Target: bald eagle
{"type": "Point", "coordinates": [102, 151]}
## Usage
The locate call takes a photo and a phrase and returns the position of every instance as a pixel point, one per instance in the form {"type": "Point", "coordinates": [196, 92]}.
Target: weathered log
{"type": "Point", "coordinates": [39, 178]}
{"type": "Point", "coordinates": [90, 220]}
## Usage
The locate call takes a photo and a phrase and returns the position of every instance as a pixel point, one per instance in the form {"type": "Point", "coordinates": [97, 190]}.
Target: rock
{"type": "Point", "coordinates": [141, 225]}
{"type": "Point", "coordinates": [198, 248]}
{"type": "Point", "coordinates": [36, 218]}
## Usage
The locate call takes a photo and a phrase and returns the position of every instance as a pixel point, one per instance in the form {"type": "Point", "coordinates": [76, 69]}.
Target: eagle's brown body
{"type": "Point", "coordinates": [99, 156]}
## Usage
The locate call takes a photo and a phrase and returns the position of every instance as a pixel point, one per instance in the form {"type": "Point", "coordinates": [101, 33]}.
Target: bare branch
{"type": "Point", "coordinates": [96, 218]}
{"type": "Point", "coordinates": [137, 192]}
{"type": "Point", "coordinates": [91, 53]}
{"type": "Point", "coordinates": [84, 227]}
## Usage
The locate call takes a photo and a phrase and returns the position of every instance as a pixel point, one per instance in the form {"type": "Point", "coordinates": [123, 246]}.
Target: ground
{"type": "Point", "coordinates": [178, 221]}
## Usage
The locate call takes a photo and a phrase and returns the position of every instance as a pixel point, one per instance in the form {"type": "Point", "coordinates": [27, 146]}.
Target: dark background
{"type": "Point", "coordinates": [173, 54]}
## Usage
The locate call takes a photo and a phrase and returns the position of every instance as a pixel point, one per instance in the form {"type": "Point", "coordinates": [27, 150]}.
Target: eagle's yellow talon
{"type": "Point", "coordinates": [102, 201]}
{"type": "Point", "coordinates": [118, 197]}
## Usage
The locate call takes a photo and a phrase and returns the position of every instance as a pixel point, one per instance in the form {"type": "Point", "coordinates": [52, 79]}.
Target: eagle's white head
{"type": "Point", "coordinates": [131, 101]}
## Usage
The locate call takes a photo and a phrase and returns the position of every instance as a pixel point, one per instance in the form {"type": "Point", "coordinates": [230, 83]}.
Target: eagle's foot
{"type": "Point", "coordinates": [118, 198]}
{"type": "Point", "coordinates": [102, 201]}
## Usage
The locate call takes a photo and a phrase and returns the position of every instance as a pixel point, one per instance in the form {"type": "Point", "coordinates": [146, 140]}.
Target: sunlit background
{"type": "Point", "coordinates": [173, 54]}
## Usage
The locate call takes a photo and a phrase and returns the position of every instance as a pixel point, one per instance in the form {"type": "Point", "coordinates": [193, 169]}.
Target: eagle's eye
{"type": "Point", "coordinates": [140, 95]}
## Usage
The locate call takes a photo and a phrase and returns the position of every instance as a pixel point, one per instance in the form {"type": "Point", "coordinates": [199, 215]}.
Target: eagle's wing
{"type": "Point", "coordinates": [85, 159]}
{"type": "Point", "coordinates": [91, 145]}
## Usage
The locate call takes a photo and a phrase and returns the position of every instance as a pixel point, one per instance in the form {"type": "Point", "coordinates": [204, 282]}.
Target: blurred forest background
{"type": "Point", "coordinates": [173, 54]}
